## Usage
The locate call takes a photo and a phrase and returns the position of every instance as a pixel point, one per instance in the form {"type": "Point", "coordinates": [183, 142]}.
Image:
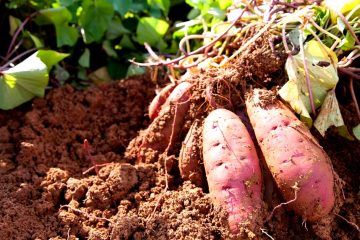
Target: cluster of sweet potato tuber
{"type": "Point", "coordinates": [220, 147]}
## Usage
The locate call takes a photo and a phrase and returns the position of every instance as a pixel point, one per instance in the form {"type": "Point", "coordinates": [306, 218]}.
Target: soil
{"type": "Point", "coordinates": [45, 194]}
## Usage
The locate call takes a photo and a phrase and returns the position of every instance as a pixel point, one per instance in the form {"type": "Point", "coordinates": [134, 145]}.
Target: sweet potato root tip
{"type": "Point", "coordinates": [159, 100]}
{"type": "Point", "coordinates": [292, 155]}
{"type": "Point", "coordinates": [232, 168]}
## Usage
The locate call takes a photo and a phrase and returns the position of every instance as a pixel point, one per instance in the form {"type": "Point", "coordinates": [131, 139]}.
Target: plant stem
{"type": "Point", "coordinates": [349, 72]}
{"type": "Point", "coordinates": [16, 34]}
{"type": "Point", "coordinates": [348, 26]}
{"type": "Point", "coordinates": [307, 77]}
{"type": "Point", "coordinates": [176, 60]}
{"type": "Point", "coordinates": [3, 68]}
{"type": "Point", "coordinates": [354, 97]}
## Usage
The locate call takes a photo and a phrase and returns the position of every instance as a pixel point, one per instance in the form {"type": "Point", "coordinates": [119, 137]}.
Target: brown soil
{"type": "Point", "coordinates": [45, 195]}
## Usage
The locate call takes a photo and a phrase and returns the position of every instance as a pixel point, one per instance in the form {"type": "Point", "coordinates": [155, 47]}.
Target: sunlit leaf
{"type": "Point", "coordinates": [329, 115]}
{"type": "Point", "coordinates": [151, 30]}
{"type": "Point", "coordinates": [164, 5]}
{"type": "Point", "coordinates": [343, 6]}
{"type": "Point", "coordinates": [356, 131]}
{"type": "Point", "coordinates": [50, 57]}
{"type": "Point", "coordinates": [95, 19]}
{"type": "Point", "coordinates": [27, 79]}
{"type": "Point", "coordinates": [347, 43]}
{"type": "Point", "coordinates": [321, 63]}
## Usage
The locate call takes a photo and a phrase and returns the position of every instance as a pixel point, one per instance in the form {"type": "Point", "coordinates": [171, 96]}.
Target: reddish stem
{"type": "Point", "coordinates": [354, 97]}
{"type": "Point", "coordinates": [352, 72]}
{"type": "Point", "coordinates": [307, 77]}
{"type": "Point", "coordinates": [16, 34]}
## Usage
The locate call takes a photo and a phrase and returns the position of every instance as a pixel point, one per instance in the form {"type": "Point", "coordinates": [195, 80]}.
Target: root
{"type": "Point", "coordinates": [89, 216]}
{"type": "Point", "coordinates": [296, 189]}
{"type": "Point", "coordinates": [249, 42]}
{"type": "Point", "coordinates": [304, 225]}
{"type": "Point", "coordinates": [267, 234]}
{"type": "Point", "coordinates": [68, 234]}
{"type": "Point", "coordinates": [350, 223]}
{"type": "Point", "coordinates": [96, 167]}
{"type": "Point", "coordinates": [89, 157]}
{"type": "Point", "coordinates": [199, 50]}
{"type": "Point", "coordinates": [210, 95]}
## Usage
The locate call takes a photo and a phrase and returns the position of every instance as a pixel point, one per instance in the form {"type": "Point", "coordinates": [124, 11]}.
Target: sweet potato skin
{"type": "Point", "coordinates": [232, 167]}
{"type": "Point", "coordinates": [159, 100]}
{"type": "Point", "coordinates": [293, 156]}
{"type": "Point", "coordinates": [170, 120]}
{"type": "Point", "coordinates": [190, 158]}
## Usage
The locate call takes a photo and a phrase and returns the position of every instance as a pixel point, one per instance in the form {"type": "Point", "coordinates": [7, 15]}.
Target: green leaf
{"type": "Point", "coordinates": [37, 42]}
{"type": "Point", "coordinates": [134, 70]}
{"type": "Point", "coordinates": [108, 48]}
{"type": "Point", "coordinates": [322, 78]}
{"type": "Point", "coordinates": [294, 37]}
{"type": "Point", "coordinates": [202, 5]}
{"type": "Point", "coordinates": [50, 57]}
{"type": "Point", "coordinates": [27, 79]}
{"type": "Point", "coordinates": [84, 59]}
{"type": "Point", "coordinates": [61, 74]}
{"type": "Point", "coordinates": [344, 132]}
{"type": "Point", "coordinates": [126, 42]}
{"type": "Point", "coordinates": [151, 30]}
{"type": "Point", "coordinates": [347, 43]}
{"type": "Point", "coordinates": [60, 17]}
{"type": "Point", "coordinates": [14, 24]}
{"type": "Point", "coordinates": [356, 131]}
{"type": "Point", "coordinates": [95, 19]}
{"type": "Point", "coordinates": [116, 29]}
{"type": "Point", "coordinates": [65, 3]}
{"type": "Point", "coordinates": [121, 6]}
{"type": "Point", "coordinates": [164, 5]}
{"type": "Point", "coordinates": [329, 115]}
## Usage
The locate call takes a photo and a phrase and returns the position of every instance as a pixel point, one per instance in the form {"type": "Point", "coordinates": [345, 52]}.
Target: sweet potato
{"type": "Point", "coordinates": [190, 165]}
{"type": "Point", "coordinates": [232, 168]}
{"type": "Point", "coordinates": [163, 131]}
{"type": "Point", "coordinates": [300, 167]}
{"type": "Point", "coordinates": [159, 100]}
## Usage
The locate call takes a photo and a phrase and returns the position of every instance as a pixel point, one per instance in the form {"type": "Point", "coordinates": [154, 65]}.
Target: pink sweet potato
{"type": "Point", "coordinates": [163, 131]}
{"type": "Point", "coordinates": [159, 100]}
{"type": "Point", "coordinates": [297, 162]}
{"type": "Point", "coordinates": [232, 168]}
